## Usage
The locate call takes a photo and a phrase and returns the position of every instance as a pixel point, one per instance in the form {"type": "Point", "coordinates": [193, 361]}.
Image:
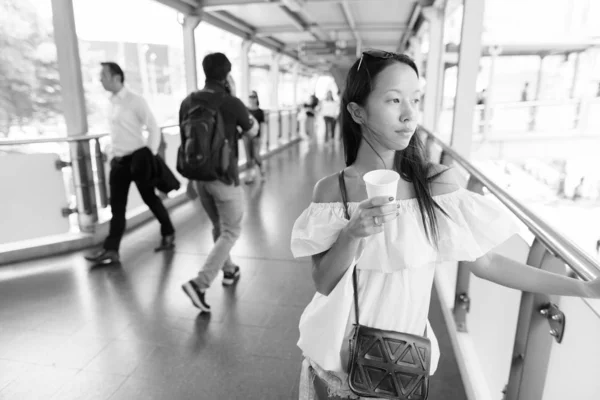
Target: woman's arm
{"type": "Point", "coordinates": [513, 274]}
{"type": "Point", "coordinates": [329, 266]}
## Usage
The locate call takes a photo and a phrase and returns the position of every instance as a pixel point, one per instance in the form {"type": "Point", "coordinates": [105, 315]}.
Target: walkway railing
{"type": "Point", "coordinates": [581, 116]}
{"type": "Point", "coordinates": [53, 186]}
{"type": "Point", "coordinates": [527, 346]}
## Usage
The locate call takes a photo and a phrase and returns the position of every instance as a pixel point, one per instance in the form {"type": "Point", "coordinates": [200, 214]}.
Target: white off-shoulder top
{"type": "Point", "coordinates": [395, 269]}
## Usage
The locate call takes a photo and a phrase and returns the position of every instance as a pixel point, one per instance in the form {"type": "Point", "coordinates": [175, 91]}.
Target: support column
{"type": "Point", "coordinates": [295, 70]}
{"type": "Point", "coordinates": [274, 77]}
{"type": "Point", "coordinates": [538, 92]}
{"type": "Point", "coordinates": [468, 69]}
{"type": "Point", "coordinates": [575, 75]}
{"type": "Point", "coordinates": [245, 83]}
{"type": "Point", "coordinates": [190, 22]}
{"type": "Point", "coordinates": [73, 99]}
{"type": "Point", "coordinates": [142, 49]}
{"type": "Point", "coordinates": [489, 99]}
{"type": "Point", "coordinates": [433, 75]}
{"type": "Point", "coordinates": [415, 47]}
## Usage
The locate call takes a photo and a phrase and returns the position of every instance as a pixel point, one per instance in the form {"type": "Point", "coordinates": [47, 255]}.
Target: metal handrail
{"type": "Point", "coordinates": [583, 265]}
{"type": "Point", "coordinates": [66, 139]}
{"type": "Point", "coordinates": [80, 138]}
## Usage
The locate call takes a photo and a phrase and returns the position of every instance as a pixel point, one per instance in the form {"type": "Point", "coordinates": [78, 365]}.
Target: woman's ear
{"type": "Point", "coordinates": [355, 112]}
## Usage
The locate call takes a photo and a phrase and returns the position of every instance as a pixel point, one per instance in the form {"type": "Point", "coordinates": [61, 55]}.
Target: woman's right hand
{"type": "Point", "coordinates": [371, 216]}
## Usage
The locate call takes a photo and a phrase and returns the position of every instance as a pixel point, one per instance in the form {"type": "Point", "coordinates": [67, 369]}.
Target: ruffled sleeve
{"type": "Point", "coordinates": [474, 225]}
{"type": "Point", "coordinates": [317, 229]}
{"type": "Point", "coordinates": [477, 224]}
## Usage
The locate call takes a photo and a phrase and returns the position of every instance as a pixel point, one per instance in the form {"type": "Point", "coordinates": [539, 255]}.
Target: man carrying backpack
{"type": "Point", "coordinates": [209, 121]}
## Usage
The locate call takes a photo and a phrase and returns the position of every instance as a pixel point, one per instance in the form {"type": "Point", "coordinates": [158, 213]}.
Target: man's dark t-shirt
{"type": "Point", "coordinates": [235, 114]}
{"type": "Point", "coordinates": [259, 114]}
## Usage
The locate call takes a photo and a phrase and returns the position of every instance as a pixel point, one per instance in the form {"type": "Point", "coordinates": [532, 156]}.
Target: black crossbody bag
{"type": "Point", "coordinates": [385, 364]}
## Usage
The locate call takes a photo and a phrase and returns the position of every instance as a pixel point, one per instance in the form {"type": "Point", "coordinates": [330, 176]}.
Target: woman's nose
{"type": "Point", "coordinates": [408, 112]}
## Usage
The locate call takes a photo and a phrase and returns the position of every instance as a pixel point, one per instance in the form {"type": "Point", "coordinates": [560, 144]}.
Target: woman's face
{"type": "Point", "coordinates": [391, 110]}
{"type": "Point", "coordinates": [253, 100]}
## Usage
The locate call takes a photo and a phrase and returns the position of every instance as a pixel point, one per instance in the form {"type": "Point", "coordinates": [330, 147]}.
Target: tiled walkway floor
{"type": "Point", "coordinates": [128, 332]}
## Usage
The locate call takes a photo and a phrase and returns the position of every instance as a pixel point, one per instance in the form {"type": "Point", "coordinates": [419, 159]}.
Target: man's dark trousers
{"type": "Point", "coordinates": [120, 181]}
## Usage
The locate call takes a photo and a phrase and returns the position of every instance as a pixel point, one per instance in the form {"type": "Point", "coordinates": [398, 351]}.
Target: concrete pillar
{"type": "Point", "coordinates": [142, 49]}
{"type": "Point", "coordinates": [274, 77]}
{"type": "Point", "coordinates": [538, 92]}
{"type": "Point", "coordinates": [575, 75]}
{"type": "Point", "coordinates": [190, 22]}
{"type": "Point", "coordinates": [245, 66]}
{"type": "Point", "coordinates": [415, 47]}
{"type": "Point", "coordinates": [468, 69]}
{"type": "Point", "coordinates": [434, 72]}
{"type": "Point", "coordinates": [74, 111]}
{"type": "Point", "coordinates": [295, 70]}
{"type": "Point", "coordinates": [489, 100]}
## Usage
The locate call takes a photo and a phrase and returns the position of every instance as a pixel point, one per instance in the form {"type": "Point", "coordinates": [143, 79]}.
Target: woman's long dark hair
{"type": "Point", "coordinates": [410, 163]}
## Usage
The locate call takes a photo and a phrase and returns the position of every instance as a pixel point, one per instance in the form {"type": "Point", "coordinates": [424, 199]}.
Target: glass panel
{"type": "Point", "coordinates": [574, 368]}
{"type": "Point", "coordinates": [30, 90]}
{"type": "Point", "coordinates": [23, 196]}
{"type": "Point", "coordinates": [210, 39]}
{"type": "Point", "coordinates": [151, 58]}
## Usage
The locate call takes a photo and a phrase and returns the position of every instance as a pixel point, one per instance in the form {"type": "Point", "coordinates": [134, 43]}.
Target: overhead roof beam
{"type": "Point", "coordinates": [211, 5]}
{"type": "Point", "coordinates": [234, 21]}
{"type": "Point", "coordinates": [351, 23]}
{"type": "Point", "coordinates": [274, 30]}
{"type": "Point", "coordinates": [183, 6]}
{"type": "Point", "coordinates": [411, 24]}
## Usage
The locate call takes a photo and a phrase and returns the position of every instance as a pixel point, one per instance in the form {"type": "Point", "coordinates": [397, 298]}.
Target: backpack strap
{"type": "Point", "coordinates": [347, 215]}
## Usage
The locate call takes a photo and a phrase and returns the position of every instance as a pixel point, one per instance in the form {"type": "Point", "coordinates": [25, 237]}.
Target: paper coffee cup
{"type": "Point", "coordinates": [381, 182]}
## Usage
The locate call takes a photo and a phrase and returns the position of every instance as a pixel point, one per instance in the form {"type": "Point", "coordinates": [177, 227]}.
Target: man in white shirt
{"type": "Point", "coordinates": [129, 114]}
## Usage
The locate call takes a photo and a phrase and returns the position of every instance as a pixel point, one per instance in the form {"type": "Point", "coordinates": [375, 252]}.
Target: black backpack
{"type": "Point", "coordinates": [205, 153]}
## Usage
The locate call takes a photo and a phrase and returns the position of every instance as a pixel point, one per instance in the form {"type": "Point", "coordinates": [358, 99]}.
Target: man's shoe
{"type": "Point", "coordinates": [166, 243]}
{"type": "Point", "coordinates": [103, 257]}
{"type": "Point", "coordinates": [196, 295]}
{"type": "Point", "coordinates": [229, 278]}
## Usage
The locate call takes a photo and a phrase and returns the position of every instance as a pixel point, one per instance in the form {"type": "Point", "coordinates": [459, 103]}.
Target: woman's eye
{"type": "Point", "coordinates": [416, 101]}
{"type": "Point", "coordinates": [395, 100]}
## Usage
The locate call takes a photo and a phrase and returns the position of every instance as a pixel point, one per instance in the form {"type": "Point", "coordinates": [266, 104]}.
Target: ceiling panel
{"type": "Point", "coordinates": [260, 15]}
{"type": "Point", "coordinates": [381, 36]}
{"type": "Point", "coordinates": [326, 13]}
{"type": "Point", "coordinates": [382, 11]}
{"type": "Point", "coordinates": [288, 38]}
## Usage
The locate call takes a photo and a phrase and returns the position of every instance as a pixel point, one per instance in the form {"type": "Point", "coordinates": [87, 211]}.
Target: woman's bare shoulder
{"type": "Point", "coordinates": [443, 179]}
{"type": "Point", "coordinates": [327, 190]}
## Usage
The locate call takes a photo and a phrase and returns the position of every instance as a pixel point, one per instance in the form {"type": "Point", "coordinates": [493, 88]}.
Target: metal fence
{"type": "Point", "coordinates": [53, 186]}
{"type": "Point", "coordinates": [523, 346]}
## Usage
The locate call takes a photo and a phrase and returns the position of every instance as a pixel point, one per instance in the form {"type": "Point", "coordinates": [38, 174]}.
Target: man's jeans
{"type": "Point", "coordinates": [224, 205]}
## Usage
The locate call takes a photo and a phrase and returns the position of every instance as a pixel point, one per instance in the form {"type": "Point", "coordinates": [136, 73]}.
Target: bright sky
{"type": "Point", "coordinates": [505, 20]}
{"type": "Point", "coordinates": [141, 21]}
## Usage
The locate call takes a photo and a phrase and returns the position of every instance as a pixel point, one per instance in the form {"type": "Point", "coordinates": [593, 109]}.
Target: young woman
{"type": "Point", "coordinates": [431, 220]}
{"type": "Point", "coordinates": [253, 144]}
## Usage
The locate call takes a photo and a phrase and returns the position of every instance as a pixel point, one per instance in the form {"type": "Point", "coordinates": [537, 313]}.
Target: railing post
{"type": "Point", "coordinates": [83, 181]}
{"type": "Point", "coordinates": [462, 301]}
{"type": "Point", "coordinates": [101, 174]}
{"type": "Point", "coordinates": [279, 122]}
{"type": "Point", "coordinates": [268, 128]}
{"type": "Point", "coordinates": [534, 336]}
{"type": "Point", "coordinates": [291, 124]}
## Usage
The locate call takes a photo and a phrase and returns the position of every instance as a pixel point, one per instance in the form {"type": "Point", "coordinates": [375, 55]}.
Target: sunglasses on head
{"type": "Point", "coordinates": [380, 54]}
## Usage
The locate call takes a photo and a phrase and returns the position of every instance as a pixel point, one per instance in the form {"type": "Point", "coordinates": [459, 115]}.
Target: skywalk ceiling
{"type": "Point", "coordinates": [319, 33]}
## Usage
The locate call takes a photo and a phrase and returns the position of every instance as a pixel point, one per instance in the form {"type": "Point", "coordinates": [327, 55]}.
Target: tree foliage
{"type": "Point", "coordinates": [30, 91]}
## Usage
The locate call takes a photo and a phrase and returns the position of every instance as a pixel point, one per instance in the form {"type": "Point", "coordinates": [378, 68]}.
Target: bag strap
{"type": "Point", "coordinates": [347, 215]}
